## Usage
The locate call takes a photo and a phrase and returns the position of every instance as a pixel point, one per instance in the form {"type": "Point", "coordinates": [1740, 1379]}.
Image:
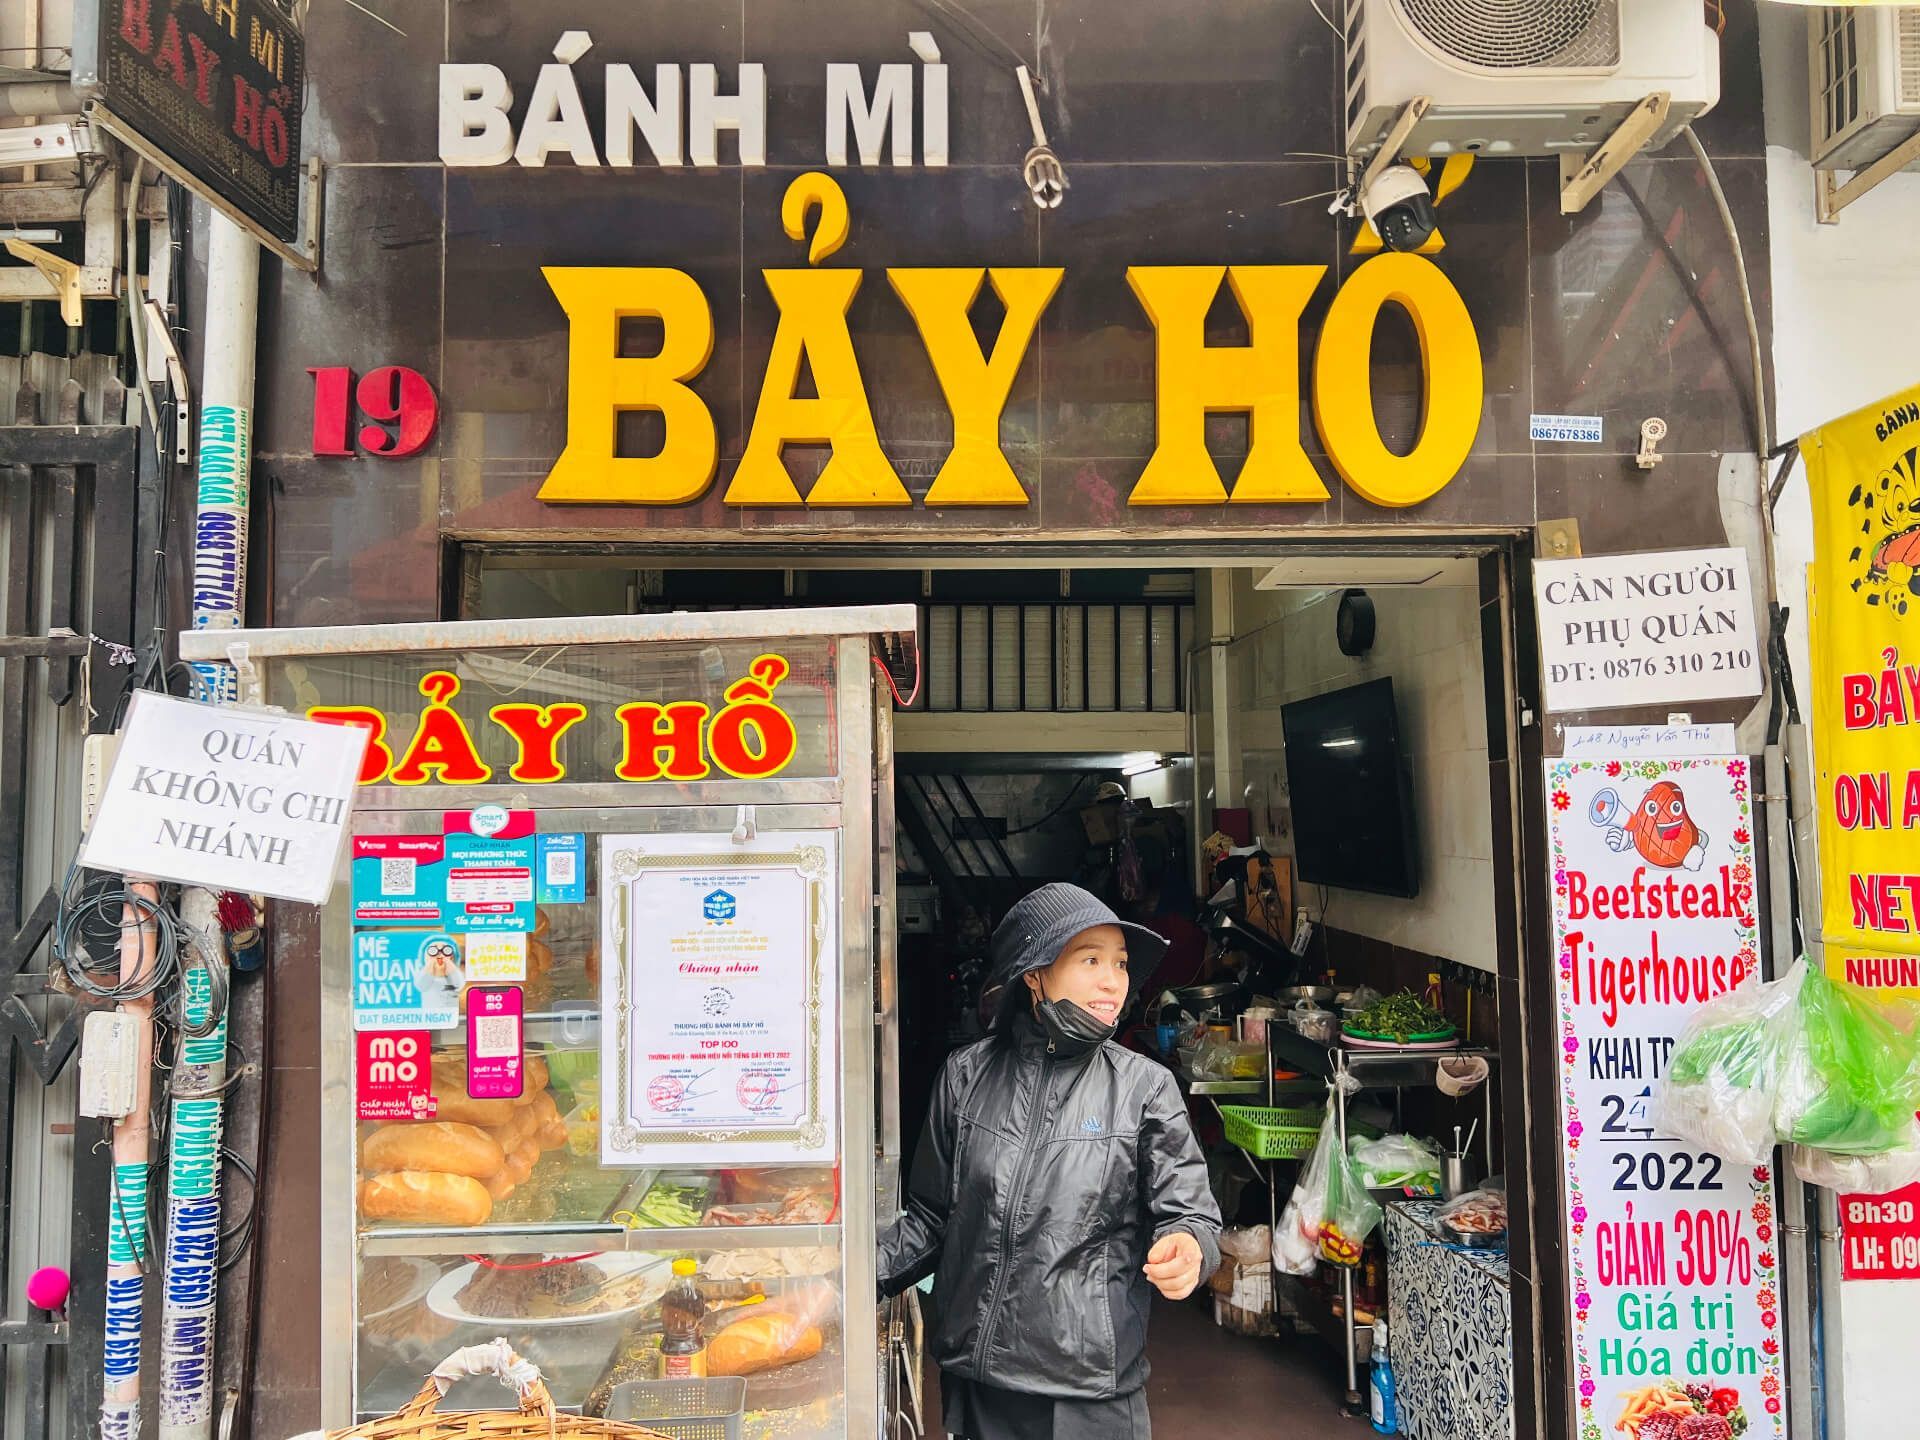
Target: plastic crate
{"type": "Point", "coordinates": [1271, 1133]}
{"type": "Point", "coordinates": [707, 1409]}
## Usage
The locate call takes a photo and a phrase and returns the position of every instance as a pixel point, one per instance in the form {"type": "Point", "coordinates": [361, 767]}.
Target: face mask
{"type": "Point", "coordinates": [1070, 1029]}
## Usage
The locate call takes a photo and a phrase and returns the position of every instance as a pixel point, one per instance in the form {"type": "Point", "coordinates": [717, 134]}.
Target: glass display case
{"type": "Point", "coordinates": [607, 984]}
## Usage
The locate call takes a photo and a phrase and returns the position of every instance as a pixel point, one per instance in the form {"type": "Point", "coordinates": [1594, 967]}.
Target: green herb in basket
{"type": "Point", "coordinates": [1399, 1017]}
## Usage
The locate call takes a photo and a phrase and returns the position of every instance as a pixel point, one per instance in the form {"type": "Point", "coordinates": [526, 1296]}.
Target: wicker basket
{"type": "Point", "coordinates": [536, 1419]}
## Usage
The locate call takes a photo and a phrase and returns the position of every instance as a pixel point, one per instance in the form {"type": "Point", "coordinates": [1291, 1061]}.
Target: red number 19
{"type": "Point", "coordinates": [393, 395]}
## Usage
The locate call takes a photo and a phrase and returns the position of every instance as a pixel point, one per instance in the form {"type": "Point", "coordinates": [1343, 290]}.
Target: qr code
{"type": "Point", "coordinates": [396, 875]}
{"type": "Point", "coordinates": [495, 1036]}
{"type": "Point", "coordinates": [560, 868]}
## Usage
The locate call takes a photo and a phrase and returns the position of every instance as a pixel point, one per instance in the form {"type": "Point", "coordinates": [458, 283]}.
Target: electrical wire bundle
{"type": "Point", "coordinates": [96, 909]}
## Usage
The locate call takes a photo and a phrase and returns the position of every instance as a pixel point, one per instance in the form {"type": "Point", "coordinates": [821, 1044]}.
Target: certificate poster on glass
{"type": "Point", "coordinates": [722, 997]}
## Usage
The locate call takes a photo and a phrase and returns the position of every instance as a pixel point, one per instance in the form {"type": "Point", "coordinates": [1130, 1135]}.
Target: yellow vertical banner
{"type": "Point", "coordinates": [1865, 627]}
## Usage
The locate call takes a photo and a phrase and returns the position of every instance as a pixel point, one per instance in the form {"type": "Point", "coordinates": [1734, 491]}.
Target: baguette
{"type": "Point", "coordinates": [425, 1197]}
{"type": "Point", "coordinates": [521, 1162]}
{"type": "Point", "coordinates": [761, 1342]}
{"type": "Point", "coordinates": [446, 1146]}
{"type": "Point", "coordinates": [508, 1136]}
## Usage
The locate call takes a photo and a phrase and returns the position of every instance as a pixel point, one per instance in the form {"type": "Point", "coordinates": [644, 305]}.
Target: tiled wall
{"type": "Point", "coordinates": [1428, 642]}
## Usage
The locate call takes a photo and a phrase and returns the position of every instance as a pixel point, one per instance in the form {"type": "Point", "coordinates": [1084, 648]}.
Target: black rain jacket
{"type": "Point", "coordinates": [1039, 1186]}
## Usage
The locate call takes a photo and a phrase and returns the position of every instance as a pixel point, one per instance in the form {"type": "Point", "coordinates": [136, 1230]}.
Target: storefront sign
{"type": "Point", "coordinates": [684, 117]}
{"type": "Point", "coordinates": [1261, 380]}
{"type": "Point", "coordinates": [213, 92]}
{"type": "Point", "coordinates": [1880, 1235]}
{"type": "Point", "coordinates": [723, 995]}
{"type": "Point", "coordinates": [1866, 677]}
{"type": "Point", "coordinates": [403, 980]}
{"type": "Point", "coordinates": [1655, 628]}
{"type": "Point", "coordinates": [749, 737]}
{"type": "Point", "coordinates": [1671, 1254]}
{"type": "Point", "coordinates": [233, 799]}
{"type": "Point", "coordinates": [393, 1073]}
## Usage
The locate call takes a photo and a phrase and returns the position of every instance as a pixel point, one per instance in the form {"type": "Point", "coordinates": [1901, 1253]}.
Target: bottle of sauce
{"type": "Point", "coordinates": [683, 1349]}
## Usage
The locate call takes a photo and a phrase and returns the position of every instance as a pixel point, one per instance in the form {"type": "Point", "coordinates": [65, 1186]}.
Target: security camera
{"type": "Point", "coordinates": [1400, 206]}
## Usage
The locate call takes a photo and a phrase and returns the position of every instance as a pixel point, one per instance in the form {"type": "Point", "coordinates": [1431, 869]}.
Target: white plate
{"type": "Point", "coordinates": [1453, 1043]}
{"type": "Point", "coordinates": [444, 1298]}
{"type": "Point", "coordinates": [425, 1275]}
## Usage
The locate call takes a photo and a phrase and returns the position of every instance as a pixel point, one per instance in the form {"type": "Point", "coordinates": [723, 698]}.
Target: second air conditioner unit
{"type": "Point", "coordinates": [1865, 82]}
{"type": "Point", "coordinates": [1523, 77]}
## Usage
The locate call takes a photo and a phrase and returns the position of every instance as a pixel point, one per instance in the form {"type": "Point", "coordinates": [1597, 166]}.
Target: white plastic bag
{"type": "Point", "coordinates": [1858, 1174]}
{"type": "Point", "coordinates": [1296, 1246]}
{"type": "Point", "coordinates": [1397, 1162]}
{"type": "Point", "coordinates": [1719, 1088]}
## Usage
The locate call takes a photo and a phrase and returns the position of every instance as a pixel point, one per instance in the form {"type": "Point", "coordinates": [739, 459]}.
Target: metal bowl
{"type": "Point", "coordinates": [1320, 995]}
{"type": "Point", "coordinates": [1475, 1239]}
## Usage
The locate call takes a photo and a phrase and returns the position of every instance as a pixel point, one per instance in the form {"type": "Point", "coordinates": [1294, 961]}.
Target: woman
{"type": "Point", "coordinates": [1057, 1179]}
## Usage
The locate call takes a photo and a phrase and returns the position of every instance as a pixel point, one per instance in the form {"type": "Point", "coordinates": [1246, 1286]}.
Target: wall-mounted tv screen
{"type": "Point", "coordinates": [1352, 803]}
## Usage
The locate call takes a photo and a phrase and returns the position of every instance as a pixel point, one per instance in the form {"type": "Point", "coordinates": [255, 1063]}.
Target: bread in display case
{"type": "Point", "coordinates": [539, 1090]}
{"type": "Point", "coordinates": [592, 1322]}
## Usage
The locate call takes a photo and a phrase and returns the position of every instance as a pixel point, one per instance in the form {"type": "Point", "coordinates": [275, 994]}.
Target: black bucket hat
{"type": "Point", "coordinates": [1035, 931]}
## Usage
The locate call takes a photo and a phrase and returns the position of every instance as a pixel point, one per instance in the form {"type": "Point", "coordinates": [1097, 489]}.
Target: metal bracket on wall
{"type": "Point", "coordinates": [1830, 197]}
{"type": "Point", "coordinates": [316, 211]}
{"type": "Point", "coordinates": [1583, 178]}
{"type": "Point", "coordinates": [1410, 115]}
{"type": "Point", "coordinates": [177, 381]}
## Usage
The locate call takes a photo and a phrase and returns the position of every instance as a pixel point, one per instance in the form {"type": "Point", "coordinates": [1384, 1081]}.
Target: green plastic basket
{"type": "Point", "coordinates": [1270, 1133]}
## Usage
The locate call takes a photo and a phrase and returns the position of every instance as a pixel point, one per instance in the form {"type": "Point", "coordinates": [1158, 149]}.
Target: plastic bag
{"type": "Point", "coordinates": [1478, 1212]}
{"type": "Point", "coordinates": [1248, 1245]}
{"type": "Point", "coordinates": [1719, 1088]}
{"type": "Point", "coordinates": [1851, 1084]}
{"type": "Point", "coordinates": [1397, 1162]}
{"type": "Point", "coordinates": [1858, 1174]}
{"type": "Point", "coordinates": [1351, 1213]}
{"type": "Point", "coordinates": [1803, 1060]}
{"type": "Point", "coordinates": [1296, 1245]}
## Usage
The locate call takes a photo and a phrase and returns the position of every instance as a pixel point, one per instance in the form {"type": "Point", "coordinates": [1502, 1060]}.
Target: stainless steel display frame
{"type": "Point", "coordinates": [856, 800]}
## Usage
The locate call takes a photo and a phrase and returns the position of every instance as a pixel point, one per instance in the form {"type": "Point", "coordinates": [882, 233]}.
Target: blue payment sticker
{"type": "Point", "coordinates": [562, 869]}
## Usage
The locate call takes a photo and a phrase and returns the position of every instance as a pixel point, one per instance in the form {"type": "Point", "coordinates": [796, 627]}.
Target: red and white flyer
{"type": "Point", "coordinates": [1672, 1254]}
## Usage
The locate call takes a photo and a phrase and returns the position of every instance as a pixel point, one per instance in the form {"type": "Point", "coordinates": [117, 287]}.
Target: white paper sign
{"type": "Point", "coordinates": [1621, 740]}
{"type": "Point", "coordinates": [722, 997]}
{"type": "Point", "coordinates": [228, 797]}
{"type": "Point", "coordinates": [1672, 1254]}
{"type": "Point", "coordinates": [1655, 628]}
{"type": "Point", "coordinates": [496, 957]}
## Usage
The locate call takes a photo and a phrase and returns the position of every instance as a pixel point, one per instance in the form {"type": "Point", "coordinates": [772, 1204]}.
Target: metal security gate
{"type": "Point", "coordinates": [78, 581]}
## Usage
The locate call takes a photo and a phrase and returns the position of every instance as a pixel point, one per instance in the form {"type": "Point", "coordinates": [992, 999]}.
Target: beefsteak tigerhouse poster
{"type": "Point", "coordinates": [1672, 1254]}
{"type": "Point", "coordinates": [722, 998]}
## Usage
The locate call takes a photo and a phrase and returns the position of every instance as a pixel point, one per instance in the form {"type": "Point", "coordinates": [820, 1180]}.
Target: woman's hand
{"type": "Point", "coordinates": [1173, 1265]}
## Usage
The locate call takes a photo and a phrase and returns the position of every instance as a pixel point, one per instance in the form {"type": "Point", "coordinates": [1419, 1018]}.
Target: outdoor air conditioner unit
{"type": "Point", "coordinates": [1865, 74]}
{"type": "Point", "coordinates": [1523, 77]}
